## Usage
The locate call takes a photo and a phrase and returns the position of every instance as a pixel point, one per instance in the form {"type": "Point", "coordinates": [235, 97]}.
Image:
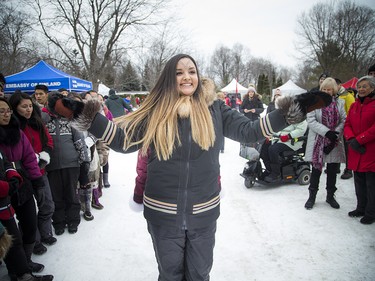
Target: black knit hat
{"type": "Point", "coordinates": [324, 75]}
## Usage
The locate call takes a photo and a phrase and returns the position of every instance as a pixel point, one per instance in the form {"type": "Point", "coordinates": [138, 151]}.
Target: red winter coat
{"type": "Point", "coordinates": [360, 124]}
{"type": "Point", "coordinates": [141, 178]}
{"type": "Point", "coordinates": [36, 142]}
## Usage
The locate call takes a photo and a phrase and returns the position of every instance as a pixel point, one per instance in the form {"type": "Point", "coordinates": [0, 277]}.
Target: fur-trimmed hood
{"type": "Point", "coordinates": [208, 90]}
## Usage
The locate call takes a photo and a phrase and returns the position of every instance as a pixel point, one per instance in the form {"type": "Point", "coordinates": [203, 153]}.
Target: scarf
{"type": "Point", "coordinates": [330, 119]}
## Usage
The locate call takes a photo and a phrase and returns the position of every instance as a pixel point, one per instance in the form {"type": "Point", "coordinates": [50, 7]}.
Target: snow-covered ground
{"type": "Point", "coordinates": [264, 233]}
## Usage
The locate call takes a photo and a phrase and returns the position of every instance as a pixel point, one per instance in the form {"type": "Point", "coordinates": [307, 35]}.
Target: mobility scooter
{"type": "Point", "coordinates": [293, 167]}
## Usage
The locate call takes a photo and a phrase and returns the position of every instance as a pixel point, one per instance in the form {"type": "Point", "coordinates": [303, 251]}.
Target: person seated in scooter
{"type": "Point", "coordinates": [282, 141]}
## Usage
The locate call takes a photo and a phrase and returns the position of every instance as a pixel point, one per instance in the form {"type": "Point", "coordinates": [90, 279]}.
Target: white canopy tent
{"type": "Point", "coordinates": [289, 88]}
{"type": "Point", "coordinates": [234, 87]}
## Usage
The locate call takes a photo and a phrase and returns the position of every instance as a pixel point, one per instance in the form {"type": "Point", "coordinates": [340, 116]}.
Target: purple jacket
{"type": "Point", "coordinates": [23, 151]}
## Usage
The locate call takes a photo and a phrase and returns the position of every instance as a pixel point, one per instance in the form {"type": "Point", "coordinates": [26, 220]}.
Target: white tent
{"type": "Point", "coordinates": [234, 87]}
{"type": "Point", "coordinates": [103, 89]}
{"type": "Point", "coordinates": [289, 88]}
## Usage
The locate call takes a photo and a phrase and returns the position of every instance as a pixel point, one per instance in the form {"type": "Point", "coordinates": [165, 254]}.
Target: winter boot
{"type": "Point", "coordinates": [95, 199]}
{"type": "Point", "coordinates": [311, 200]}
{"type": "Point", "coordinates": [332, 201]}
{"type": "Point", "coordinates": [347, 174]}
{"type": "Point", "coordinates": [105, 180]}
{"type": "Point", "coordinates": [82, 199]}
{"type": "Point", "coordinates": [356, 213]}
{"type": "Point", "coordinates": [34, 267]}
{"type": "Point", "coordinates": [275, 176]}
{"type": "Point", "coordinates": [30, 277]}
{"type": "Point", "coordinates": [85, 196]}
{"type": "Point", "coordinates": [39, 248]}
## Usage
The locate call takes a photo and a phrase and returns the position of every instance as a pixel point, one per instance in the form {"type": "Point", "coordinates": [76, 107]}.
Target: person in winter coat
{"type": "Point", "coordinates": [325, 144]}
{"type": "Point", "coordinates": [69, 164]}
{"type": "Point", "coordinates": [103, 150]}
{"type": "Point", "coordinates": [182, 126]}
{"type": "Point", "coordinates": [359, 131]}
{"type": "Point", "coordinates": [11, 245]}
{"type": "Point", "coordinates": [16, 147]}
{"type": "Point", "coordinates": [348, 98]}
{"type": "Point", "coordinates": [251, 105]}
{"type": "Point", "coordinates": [271, 105]}
{"type": "Point", "coordinates": [29, 115]}
{"type": "Point", "coordinates": [94, 170]}
{"type": "Point", "coordinates": [282, 141]}
{"type": "Point", "coordinates": [117, 105]}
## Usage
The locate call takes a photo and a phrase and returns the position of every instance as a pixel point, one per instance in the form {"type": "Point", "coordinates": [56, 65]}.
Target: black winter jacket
{"type": "Point", "coordinates": [183, 191]}
{"type": "Point", "coordinates": [254, 103]}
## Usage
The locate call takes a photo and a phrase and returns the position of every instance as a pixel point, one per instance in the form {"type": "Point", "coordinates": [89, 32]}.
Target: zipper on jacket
{"type": "Point", "coordinates": [184, 226]}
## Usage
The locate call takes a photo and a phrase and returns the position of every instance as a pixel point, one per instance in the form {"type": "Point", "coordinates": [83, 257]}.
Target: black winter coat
{"type": "Point", "coordinates": [254, 103]}
{"type": "Point", "coordinates": [183, 191]}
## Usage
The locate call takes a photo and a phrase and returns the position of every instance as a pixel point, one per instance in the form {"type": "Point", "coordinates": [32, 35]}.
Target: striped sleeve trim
{"type": "Point", "coordinates": [203, 207]}
{"type": "Point", "coordinates": [160, 206]}
{"type": "Point", "coordinates": [265, 126]}
{"type": "Point", "coordinates": [109, 133]}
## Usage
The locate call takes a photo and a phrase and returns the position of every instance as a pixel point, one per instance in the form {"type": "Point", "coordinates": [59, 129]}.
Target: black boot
{"type": "Point", "coordinates": [313, 188]}
{"type": "Point", "coordinates": [331, 185]}
{"type": "Point", "coordinates": [274, 177]}
{"type": "Point", "coordinates": [311, 200]}
{"type": "Point", "coordinates": [34, 267]}
{"type": "Point", "coordinates": [105, 180]}
{"type": "Point", "coordinates": [332, 201]}
{"type": "Point", "coordinates": [30, 277]}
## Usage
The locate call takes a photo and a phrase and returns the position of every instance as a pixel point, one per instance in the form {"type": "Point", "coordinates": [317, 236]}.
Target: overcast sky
{"type": "Point", "coordinates": [266, 27]}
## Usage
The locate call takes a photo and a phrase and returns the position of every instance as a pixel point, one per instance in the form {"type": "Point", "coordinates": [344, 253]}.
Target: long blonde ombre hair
{"type": "Point", "coordinates": [157, 119]}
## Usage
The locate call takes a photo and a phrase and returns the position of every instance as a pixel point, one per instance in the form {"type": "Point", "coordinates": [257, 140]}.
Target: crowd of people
{"type": "Point", "coordinates": [53, 174]}
{"type": "Point", "coordinates": [54, 149]}
{"type": "Point", "coordinates": [341, 133]}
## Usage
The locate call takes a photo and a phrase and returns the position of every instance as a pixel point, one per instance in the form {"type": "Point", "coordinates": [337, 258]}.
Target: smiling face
{"type": "Point", "coordinates": [364, 88]}
{"type": "Point", "coordinates": [186, 77]}
{"type": "Point", "coordinates": [5, 113]}
{"type": "Point", "coordinates": [25, 108]}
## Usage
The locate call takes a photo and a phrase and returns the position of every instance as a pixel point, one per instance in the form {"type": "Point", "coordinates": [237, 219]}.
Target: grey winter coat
{"type": "Point", "coordinates": [314, 121]}
{"type": "Point", "coordinates": [69, 144]}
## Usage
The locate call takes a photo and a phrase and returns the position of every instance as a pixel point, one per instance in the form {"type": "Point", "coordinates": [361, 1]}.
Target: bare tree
{"type": "Point", "coordinates": [91, 33]}
{"type": "Point", "coordinates": [338, 37]}
{"type": "Point", "coordinates": [16, 44]}
{"type": "Point", "coordinates": [165, 43]}
{"type": "Point", "coordinates": [221, 68]}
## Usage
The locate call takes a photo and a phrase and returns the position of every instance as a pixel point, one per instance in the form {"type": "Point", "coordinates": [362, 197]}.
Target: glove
{"type": "Point", "coordinates": [63, 106]}
{"type": "Point", "coordinates": [328, 148]}
{"type": "Point", "coordinates": [14, 175]}
{"type": "Point", "coordinates": [285, 138]}
{"type": "Point", "coordinates": [84, 173]}
{"type": "Point", "coordinates": [40, 196]}
{"type": "Point", "coordinates": [313, 100]}
{"type": "Point", "coordinates": [332, 136]}
{"type": "Point", "coordinates": [355, 145]}
{"type": "Point", "coordinates": [44, 159]}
